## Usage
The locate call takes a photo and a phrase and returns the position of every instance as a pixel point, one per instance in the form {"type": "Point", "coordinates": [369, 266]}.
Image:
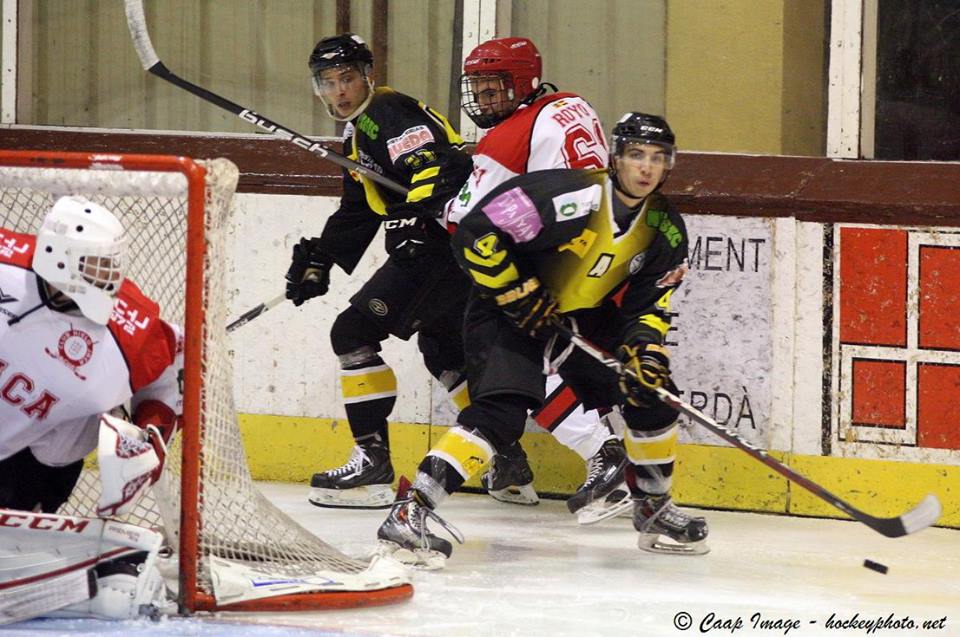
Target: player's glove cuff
{"type": "Point", "coordinates": [530, 306]}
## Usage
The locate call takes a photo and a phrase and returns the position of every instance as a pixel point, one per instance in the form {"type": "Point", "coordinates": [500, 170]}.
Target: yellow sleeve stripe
{"type": "Point", "coordinates": [492, 261]}
{"type": "Point", "coordinates": [509, 275]}
{"type": "Point", "coordinates": [646, 451]}
{"type": "Point", "coordinates": [426, 173]}
{"type": "Point", "coordinates": [368, 383]}
{"type": "Point", "coordinates": [420, 192]}
{"type": "Point", "coordinates": [464, 451]}
{"type": "Point", "coordinates": [654, 321]}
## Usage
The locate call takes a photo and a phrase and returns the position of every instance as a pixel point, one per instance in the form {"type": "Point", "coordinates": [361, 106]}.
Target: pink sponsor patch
{"type": "Point", "coordinates": [514, 213]}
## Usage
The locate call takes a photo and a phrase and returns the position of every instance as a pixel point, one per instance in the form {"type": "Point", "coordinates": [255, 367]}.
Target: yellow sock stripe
{"type": "Point", "coordinates": [460, 396]}
{"type": "Point", "coordinates": [368, 383]}
{"type": "Point", "coordinates": [464, 451]}
{"type": "Point", "coordinates": [645, 450]}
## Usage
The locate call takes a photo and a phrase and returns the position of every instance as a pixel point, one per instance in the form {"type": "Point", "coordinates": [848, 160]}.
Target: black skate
{"type": "Point", "coordinates": [510, 478]}
{"type": "Point", "coordinates": [362, 483]}
{"type": "Point", "coordinates": [404, 535]}
{"type": "Point", "coordinates": [604, 477]}
{"type": "Point", "coordinates": [664, 528]}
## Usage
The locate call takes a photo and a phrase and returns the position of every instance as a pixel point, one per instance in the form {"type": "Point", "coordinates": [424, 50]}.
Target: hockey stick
{"type": "Point", "coordinates": [249, 315]}
{"type": "Point", "coordinates": [918, 518]}
{"type": "Point", "coordinates": [137, 24]}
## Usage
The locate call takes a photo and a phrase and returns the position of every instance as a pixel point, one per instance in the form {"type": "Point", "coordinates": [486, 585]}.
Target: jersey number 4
{"type": "Point", "coordinates": [584, 148]}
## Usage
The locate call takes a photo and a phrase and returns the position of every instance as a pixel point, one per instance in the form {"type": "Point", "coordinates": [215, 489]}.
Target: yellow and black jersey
{"type": "Point", "coordinates": [560, 226]}
{"type": "Point", "coordinates": [406, 141]}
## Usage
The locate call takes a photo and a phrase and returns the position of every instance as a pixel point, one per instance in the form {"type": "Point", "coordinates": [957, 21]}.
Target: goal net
{"type": "Point", "coordinates": [235, 550]}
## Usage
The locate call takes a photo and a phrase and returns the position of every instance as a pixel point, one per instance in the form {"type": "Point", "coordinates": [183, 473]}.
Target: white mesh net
{"type": "Point", "coordinates": [235, 521]}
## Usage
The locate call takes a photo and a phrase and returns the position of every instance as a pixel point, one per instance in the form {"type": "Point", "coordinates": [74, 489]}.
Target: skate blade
{"type": "Point", "coordinates": [604, 510]}
{"type": "Point", "coordinates": [525, 495]}
{"type": "Point", "coordinates": [379, 496]}
{"type": "Point", "coordinates": [658, 543]}
{"type": "Point", "coordinates": [419, 559]}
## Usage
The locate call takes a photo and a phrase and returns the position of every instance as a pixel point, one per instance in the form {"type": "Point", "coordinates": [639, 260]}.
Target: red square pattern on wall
{"type": "Point", "coordinates": [873, 286]}
{"type": "Point", "coordinates": [938, 396]}
{"type": "Point", "coordinates": [939, 298]}
{"type": "Point", "coordinates": [879, 388]}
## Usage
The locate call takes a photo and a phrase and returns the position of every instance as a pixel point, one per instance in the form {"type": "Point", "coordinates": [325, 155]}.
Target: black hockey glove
{"type": "Point", "coordinates": [530, 307]}
{"type": "Point", "coordinates": [309, 272]}
{"type": "Point", "coordinates": [650, 367]}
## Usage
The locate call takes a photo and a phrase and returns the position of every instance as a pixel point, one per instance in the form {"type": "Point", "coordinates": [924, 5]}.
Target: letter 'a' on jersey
{"type": "Point", "coordinates": [80, 249]}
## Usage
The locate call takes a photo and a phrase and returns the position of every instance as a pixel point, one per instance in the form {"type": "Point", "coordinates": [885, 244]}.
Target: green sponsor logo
{"type": "Point", "coordinates": [568, 210]}
{"type": "Point", "coordinates": [660, 220]}
{"type": "Point", "coordinates": [368, 126]}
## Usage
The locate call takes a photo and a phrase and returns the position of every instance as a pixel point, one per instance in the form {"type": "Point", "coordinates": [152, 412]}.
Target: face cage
{"type": "Point", "coordinates": [498, 110]}
{"type": "Point", "coordinates": [100, 268]}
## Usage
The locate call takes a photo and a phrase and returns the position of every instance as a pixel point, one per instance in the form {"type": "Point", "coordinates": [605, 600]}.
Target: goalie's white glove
{"type": "Point", "coordinates": [130, 459]}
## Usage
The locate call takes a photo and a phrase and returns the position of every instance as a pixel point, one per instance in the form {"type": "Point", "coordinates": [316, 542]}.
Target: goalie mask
{"type": "Point", "coordinates": [498, 76]}
{"type": "Point", "coordinates": [337, 53]}
{"type": "Point", "coordinates": [634, 129]}
{"type": "Point", "coordinates": [80, 249]}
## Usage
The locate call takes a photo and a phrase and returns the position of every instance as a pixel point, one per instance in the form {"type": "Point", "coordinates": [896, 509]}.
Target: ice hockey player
{"type": "Point", "coordinates": [77, 341]}
{"type": "Point", "coordinates": [419, 289]}
{"type": "Point", "coordinates": [532, 129]}
{"type": "Point", "coordinates": [602, 251]}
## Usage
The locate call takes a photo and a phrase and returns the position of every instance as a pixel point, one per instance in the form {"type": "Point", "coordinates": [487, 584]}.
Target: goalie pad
{"type": "Point", "coordinates": [130, 460]}
{"type": "Point", "coordinates": [64, 566]}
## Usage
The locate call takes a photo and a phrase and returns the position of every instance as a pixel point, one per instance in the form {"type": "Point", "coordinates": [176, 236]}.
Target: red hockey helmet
{"type": "Point", "coordinates": [515, 63]}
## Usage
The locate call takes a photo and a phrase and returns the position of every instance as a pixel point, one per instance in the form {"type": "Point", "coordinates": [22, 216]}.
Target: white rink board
{"type": "Point", "coordinates": [721, 341]}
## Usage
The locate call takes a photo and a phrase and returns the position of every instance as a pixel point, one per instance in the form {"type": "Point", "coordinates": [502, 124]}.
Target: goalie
{"type": "Point", "coordinates": [77, 340]}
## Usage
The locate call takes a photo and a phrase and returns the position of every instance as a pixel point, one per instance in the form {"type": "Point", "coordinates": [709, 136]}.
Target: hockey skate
{"type": "Point", "coordinates": [510, 478]}
{"type": "Point", "coordinates": [664, 528]}
{"type": "Point", "coordinates": [362, 483]}
{"type": "Point", "coordinates": [605, 468]}
{"type": "Point", "coordinates": [404, 535]}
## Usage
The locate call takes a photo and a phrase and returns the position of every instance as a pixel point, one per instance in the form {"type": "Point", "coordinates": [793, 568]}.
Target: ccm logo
{"type": "Point", "coordinates": [42, 522]}
{"type": "Point", "coordinates": [396, 224]}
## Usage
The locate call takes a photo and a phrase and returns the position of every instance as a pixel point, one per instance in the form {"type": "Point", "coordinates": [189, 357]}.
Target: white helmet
{"type": "Point", "coordinates": [80, 250]}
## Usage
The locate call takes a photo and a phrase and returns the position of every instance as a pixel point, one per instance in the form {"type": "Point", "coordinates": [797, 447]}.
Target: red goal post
{"type": "Point", "coordinates": [230, 542]}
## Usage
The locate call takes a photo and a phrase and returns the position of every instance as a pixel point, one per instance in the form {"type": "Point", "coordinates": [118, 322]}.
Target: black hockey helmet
{"type": "Point", "coordinates": [335, 50]}
{"type": "Point", "coordinates": [641, 128]}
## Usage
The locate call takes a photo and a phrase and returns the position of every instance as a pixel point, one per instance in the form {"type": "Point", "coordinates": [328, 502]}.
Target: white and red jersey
{"type": "Point", "coordinates": [556, 131]}
{"type": "Point", "coordinates": [59, 370]}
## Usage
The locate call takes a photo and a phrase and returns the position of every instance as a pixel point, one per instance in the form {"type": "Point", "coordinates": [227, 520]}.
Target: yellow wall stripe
{"type": "Point", "coordinates": [291, 449]}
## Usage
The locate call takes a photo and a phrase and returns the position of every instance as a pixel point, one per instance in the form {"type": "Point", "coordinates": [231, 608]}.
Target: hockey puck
{"type": "Point", "coordinates": [875, 566]}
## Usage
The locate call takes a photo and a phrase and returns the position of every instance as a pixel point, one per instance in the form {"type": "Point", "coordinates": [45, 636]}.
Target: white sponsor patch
{"type": "Point", "coordinates": [410, 139]}
{"type": "Point", "coordinates": [578, 203]}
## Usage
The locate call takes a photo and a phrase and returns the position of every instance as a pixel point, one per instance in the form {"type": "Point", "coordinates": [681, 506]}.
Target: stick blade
{"type": "Point", "coordinates": [923, 515]}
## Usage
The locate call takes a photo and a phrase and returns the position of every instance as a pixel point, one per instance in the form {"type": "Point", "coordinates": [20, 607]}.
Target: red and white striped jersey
{"type": "Point", "coordinates": [556, 131]}
{"type": "Point", "coordinates": [59, 370]}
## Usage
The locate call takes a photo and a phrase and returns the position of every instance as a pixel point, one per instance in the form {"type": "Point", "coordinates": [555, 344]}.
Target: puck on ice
{"type": "Point", "coordinates": [875, 566]}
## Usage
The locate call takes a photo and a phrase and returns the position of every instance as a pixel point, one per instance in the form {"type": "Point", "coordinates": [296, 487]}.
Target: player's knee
{"type": "Point", "coordinates": [352, 331]}
{"type": "Point", "coordinates": [500, 418]}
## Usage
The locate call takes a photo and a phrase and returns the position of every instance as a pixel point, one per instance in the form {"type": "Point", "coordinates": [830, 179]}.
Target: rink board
{"type": "Point", "coordinates": [832, 344]}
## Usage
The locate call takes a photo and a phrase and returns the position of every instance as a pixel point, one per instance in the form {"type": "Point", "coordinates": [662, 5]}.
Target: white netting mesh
{"type": "Point", "coordinates": [236, 521]}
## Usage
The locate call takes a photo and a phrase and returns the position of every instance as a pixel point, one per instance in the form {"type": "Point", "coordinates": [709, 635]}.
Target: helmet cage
{"type": "Point", "coordinates": [491, 112]}
{"type": "Point", "coordinates": [80, 251]}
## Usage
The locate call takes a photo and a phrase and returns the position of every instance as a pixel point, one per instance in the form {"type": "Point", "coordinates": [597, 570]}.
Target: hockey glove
{"type": "Point", "coordinates": [309, 272]}
{"type": "Point", "coordinates": [530, 307]}
{"type": "Point", "coordinates": [650, 367]}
